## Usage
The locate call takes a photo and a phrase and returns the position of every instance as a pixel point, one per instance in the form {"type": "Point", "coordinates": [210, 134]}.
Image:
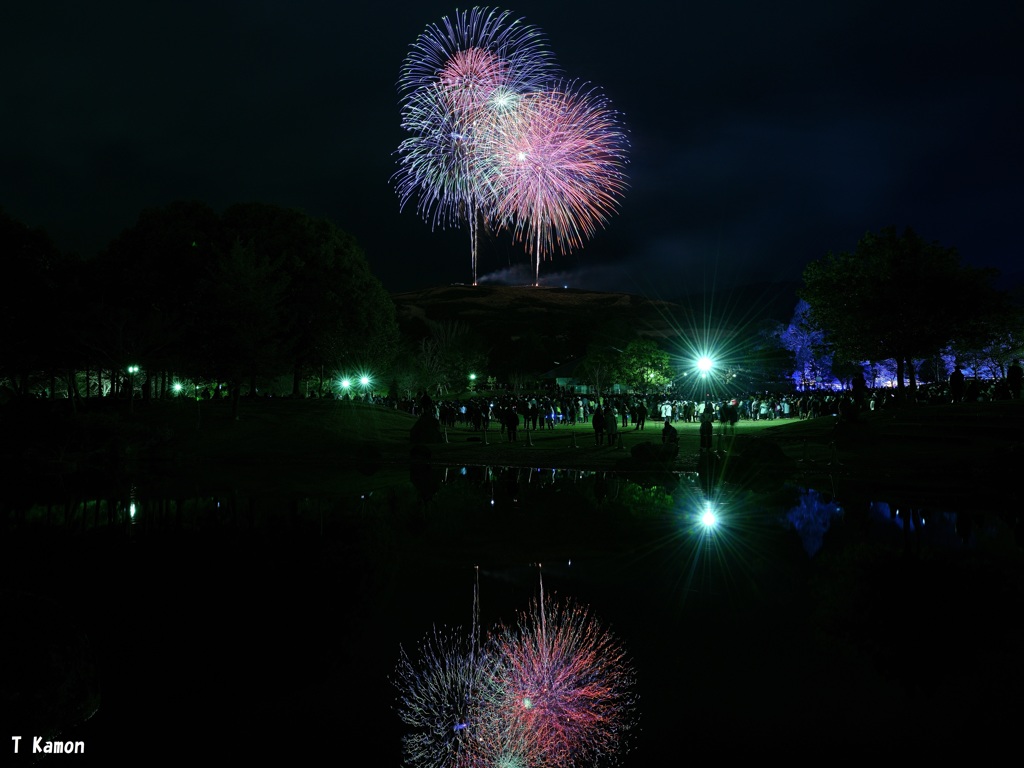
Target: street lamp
{"type": "Point", "coordinates": [132, 370]}
{"type": "Point", "coordinates": [704, 365]}
{"type": "Point", "coordinates": [708, 518]}
{"type": "Point", "coordinates": [366, 384]}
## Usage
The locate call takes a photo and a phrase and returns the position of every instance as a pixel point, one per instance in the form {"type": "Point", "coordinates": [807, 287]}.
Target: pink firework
{"type": "Point", "coordinates": [562, 688]}
{"type": "Point", "coordinates": [471, 76]}
{"type": "Point", "coordinates": [556, 163]}
{"type": "Point", "coordinates": [454, 71]}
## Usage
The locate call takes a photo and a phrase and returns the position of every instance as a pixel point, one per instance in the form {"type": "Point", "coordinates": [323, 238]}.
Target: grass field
{"type": "Point", "coordinates": [966, 449]}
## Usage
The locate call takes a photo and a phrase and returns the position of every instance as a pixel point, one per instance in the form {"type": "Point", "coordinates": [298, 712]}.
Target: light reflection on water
{"type": "Point", "coordinates": [795, 595]}
{"type": "Point", "coordinates": [812, 516]}
{"type": "Point", "coordinates": [809, 511]}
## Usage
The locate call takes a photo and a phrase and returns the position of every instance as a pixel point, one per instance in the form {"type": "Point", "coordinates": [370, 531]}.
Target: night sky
{"type": "Point", "coordinates": [762, 135]}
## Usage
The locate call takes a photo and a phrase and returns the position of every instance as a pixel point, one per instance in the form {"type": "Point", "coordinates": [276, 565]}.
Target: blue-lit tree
{"type": "Point", "coordinates": [898, 297]}
{"type": "Point", "coordinates": [813, 361]}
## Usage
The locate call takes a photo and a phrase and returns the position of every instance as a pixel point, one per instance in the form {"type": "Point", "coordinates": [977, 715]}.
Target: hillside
{"type": "Point", "coordinates": [523, 311]}
{"type": "Point", "coordinates": [533, 329]}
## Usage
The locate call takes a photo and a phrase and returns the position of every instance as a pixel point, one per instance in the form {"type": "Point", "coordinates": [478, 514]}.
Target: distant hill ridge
{"type": "Point", "coordinates": [531, 329]}
{"type": "Point", "coordinates": [508, 305]}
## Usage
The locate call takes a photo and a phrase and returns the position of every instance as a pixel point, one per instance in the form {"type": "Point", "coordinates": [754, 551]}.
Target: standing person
{"type": "Point", "coordinates": [512, 424]}
{"type": "Point", "coordinates": [641, 414]}
{"type": "Point", "coordinates": [611, 426]}
{"type": "Point", "coordinates": [598, 421]}
{"type": "Point", "coordinates": [707, 426]}
{"type": "Point", "coordinates": [669, 434]}
{"type": "Point", "coordinates": [956, 385]}
{"type": "Point", "coordinates": [730, 414]}
{"type": "Point", "coordinates": [1015, 379]}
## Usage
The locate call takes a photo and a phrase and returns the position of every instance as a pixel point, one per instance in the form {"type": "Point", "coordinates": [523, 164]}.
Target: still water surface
{"type": "Point", "coordinates": [232, 626]}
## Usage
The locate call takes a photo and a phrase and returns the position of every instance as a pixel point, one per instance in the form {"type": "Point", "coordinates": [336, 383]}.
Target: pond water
{"type": "Point", "coordinates": [233, 626]}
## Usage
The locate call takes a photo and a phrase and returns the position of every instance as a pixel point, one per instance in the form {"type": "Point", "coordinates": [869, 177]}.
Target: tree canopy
{"type": "Point", "coordinates": [333, 312]}
{"type": "Point", "coordinates": [896, 296]}
{"type": "Point", "coordinates": [259, 290]}
{"type": "Point", "coordinates": [644, 367]}
{"type": "Point", "coordinates": [35, 275]}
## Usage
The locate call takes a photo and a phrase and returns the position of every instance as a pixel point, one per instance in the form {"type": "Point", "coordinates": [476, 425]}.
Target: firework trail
{"type": "Point", "coordinates": [556, 164]}
{"type": "Point", "coordinates": [455, 73]}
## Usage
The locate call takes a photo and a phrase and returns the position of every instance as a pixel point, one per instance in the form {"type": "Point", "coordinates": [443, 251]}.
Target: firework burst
{"type": "Point", "coordinates": [478, 48]}
{"type": "Point", "coordinates": [556, 164]}
{"type": "Point", "coordinates": [457, 71]}
{"type": "Point", "coordinates": [438, 695]}
{"type": "Point", "coordinates": [434, 165]}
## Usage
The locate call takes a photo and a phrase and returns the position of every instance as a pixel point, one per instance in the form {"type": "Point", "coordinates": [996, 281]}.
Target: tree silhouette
{"type": "Point", "coordinates": [334, 314]}
{"type": "Point", "coordinates": [143, 291]}
{"type": "Point", "coordinates": [243, 292]}
{"type": "Point", "coordinates": [895, 297]}
{"type": "Point", "coordinates": [30, 328]}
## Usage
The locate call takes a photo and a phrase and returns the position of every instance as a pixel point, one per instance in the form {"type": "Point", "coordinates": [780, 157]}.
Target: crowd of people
{"type": "Point", "coordinates": [616, 413]}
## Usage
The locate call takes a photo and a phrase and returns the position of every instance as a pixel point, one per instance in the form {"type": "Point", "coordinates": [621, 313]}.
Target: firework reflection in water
{"type": "Point", "coordinates": [555, 690]}
{"type": "Point", "coordinates": [437, 692]}
{"type": "Point", "coordinates": [562, 688]}
{"type": "Point", "coordinates": [438, 695]}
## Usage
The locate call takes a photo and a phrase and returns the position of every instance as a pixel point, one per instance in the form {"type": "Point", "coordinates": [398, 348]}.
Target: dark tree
{"type": "Point", "coordinates": [242, 294]}
{"type": "Point", "coordinates": [600, 367]}
{"type": "Point", "coordinates": [447, 357]}
{"type": "Point", "coordinates": [34, 310]}
{"type": "Point", "coordinates": [144, 291]}
{"type": "Point", "coordinates": [335, 314]}
{"type": "Point", "coordinates": [896, 297]}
